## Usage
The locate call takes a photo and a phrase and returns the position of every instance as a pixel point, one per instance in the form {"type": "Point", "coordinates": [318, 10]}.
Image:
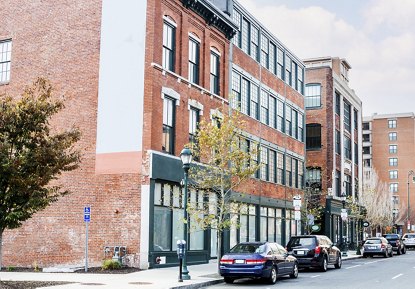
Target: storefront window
{"type": "Point", "coordinates": [162, 224]}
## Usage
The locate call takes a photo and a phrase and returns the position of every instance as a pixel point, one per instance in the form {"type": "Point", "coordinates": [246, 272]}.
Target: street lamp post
{"type": "Point", "coordinates": [410, 173]}
{"type": "Point", "coordinates": [343, 220]}
{"type": "Point", "coordinates": [186, 157]}
{"type": "Point", "coordinates": [394, 214]}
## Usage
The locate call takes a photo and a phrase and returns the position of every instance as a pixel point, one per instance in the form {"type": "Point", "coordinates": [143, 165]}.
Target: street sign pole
{"type": "Point", "coordinates": [86, 247]}
{"type": "Point", "coordinates": [87, 219]}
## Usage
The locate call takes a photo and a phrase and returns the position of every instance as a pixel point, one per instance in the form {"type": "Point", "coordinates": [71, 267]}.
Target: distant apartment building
{"type": "Point", "coordinates": [333, 142]}
{"type": "Point", "coordinates": [389, 149]}
{"type": "Point", "coordinates": [138, 77]}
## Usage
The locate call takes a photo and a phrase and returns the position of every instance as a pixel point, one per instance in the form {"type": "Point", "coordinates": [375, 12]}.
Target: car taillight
{"type": "Point", "coordinates": [317, 250]}
{"type": "Point", "coordinates": [256, 262]}
{"type": "Point", "coordinates": [226, 261]}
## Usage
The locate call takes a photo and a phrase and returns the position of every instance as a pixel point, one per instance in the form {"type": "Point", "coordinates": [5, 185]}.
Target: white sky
{"type": "Point", "coordinates": [377, 37]}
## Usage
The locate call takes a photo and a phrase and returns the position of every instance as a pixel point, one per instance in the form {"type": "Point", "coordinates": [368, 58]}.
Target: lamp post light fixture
{"type": "Point", "coordinates": [410, 173]}
{"type": "Point", "coordinates": [186, 157]}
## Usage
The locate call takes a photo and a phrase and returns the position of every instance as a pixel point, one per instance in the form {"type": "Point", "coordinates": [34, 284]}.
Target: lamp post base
{"type": "Point", "coordinates": [185, 274]}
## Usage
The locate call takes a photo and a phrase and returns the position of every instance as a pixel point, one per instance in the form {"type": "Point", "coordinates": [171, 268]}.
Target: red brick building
{"type": "Point", "coordinates": [334, 142]}
{"type": "Point", "coordinates": [389, 148]}
{"type": "Point", "coordinates": [137, 78]}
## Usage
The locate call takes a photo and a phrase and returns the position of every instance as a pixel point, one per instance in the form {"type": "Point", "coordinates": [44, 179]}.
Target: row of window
{"type": "Point", "coordinates": [5, 60]}
{"type": "Point", "coordinates": [254, 42]}
{"type": "Point", "coordinates": [393, 136]}
{"type": "Point", "coordinates": [169, 53]}
{"type": "Point", "coordinates": [168, 215]}
{"type": "Point", "coordinates": [347, 113]}
{"type": "Point", "coordinates": [313, 142]}
{"type": "Point", "coordinates": [274, 163]}
{"type": "Point", "coordinates": [266, 107]}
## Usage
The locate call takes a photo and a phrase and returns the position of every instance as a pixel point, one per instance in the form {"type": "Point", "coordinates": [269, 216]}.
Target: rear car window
{"type": "Point", "coordinates": [410, 236]}
{"type": "Point", "coordinates": [373, 241]}
{"type": "Point", "coordinates": [391, 237]}
{"type": "Point", "coordinates": [306, 242]}
{"type": "Point", "coordinates": [249, 248]}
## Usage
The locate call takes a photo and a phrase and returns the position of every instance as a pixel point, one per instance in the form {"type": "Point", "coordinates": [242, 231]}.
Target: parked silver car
{"type": "Point", "coordinates": [409, 240]}
{"type": "Point", "coordinates": [377, 246]}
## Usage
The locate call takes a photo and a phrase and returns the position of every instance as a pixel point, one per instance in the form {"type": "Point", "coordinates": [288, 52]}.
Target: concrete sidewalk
{"type": "Point", "coordinates": [164, 278]}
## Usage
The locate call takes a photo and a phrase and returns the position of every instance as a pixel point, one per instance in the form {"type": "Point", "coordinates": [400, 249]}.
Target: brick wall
{"type": "Point", "coordinates": [60, 40]}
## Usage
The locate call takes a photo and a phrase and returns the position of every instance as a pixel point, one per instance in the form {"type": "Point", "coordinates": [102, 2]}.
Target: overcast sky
{"type": "Point", "coordinates": [377, 37]}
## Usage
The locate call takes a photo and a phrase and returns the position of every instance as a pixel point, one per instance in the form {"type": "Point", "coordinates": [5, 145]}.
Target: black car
{"type": "Point", "coordinates": [396, 241]}
{"type": "Point", "coordinates": [377, 246]}
{"type": "Point", "coordinates": [315, 251]}
{"type": "Point", "coordinates": [257, 260]}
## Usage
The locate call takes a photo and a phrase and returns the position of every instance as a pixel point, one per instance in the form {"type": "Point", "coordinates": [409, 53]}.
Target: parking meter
{"type": "Point", "coordinates": [181, 251]}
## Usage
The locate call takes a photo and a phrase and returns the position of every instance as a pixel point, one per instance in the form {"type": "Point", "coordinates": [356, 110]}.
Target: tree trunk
{"type": "Point", "coordinates": [1, 249]}
{"type": "Point", "coordinates": [219, 248]}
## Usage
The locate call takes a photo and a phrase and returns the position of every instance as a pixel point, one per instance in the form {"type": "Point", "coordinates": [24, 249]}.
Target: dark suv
{"type": "Point", "coordinates": [396, 241]}
{"type": "Point", "coordinates": [314, 251]}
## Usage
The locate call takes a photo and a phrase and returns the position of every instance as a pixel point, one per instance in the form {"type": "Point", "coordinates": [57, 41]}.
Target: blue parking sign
{"type": "Point", "coordinates": [87, 214]}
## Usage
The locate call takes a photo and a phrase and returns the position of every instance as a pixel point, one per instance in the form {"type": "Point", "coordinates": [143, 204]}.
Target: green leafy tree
{"type": "Point", "coordinates": [32, 155]}
{"type": "Point", "coordinates": [227, 162]}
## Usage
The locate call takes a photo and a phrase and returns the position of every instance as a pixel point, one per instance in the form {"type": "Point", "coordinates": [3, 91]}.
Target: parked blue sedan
{"type": "Point", "coordinates": [258, 260]}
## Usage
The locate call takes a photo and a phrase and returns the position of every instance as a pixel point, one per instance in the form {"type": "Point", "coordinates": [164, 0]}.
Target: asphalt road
{"type": "Point", "coordinates": [377, 273]}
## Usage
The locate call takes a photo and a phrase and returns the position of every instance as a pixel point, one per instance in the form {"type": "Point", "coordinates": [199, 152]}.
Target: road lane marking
{"type": "Point", "coordinates": [315, 276]}
{"type": "Point", "coordinates": [397, 276]}
{"type": "Point", "coordinates": [353, 266]}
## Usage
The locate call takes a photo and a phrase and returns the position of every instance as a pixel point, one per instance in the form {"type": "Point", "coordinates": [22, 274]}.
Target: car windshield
{"type": "Point", "coordinates": [297, 242]}
{"type": "Point", "coordinates": [410, 236]}
{"type": "Point", "coordinates": [249, 248]}
{"type": "Point", "coordinates": [391, 237]}
{"type": "Point", "coordinates": [373, 241]}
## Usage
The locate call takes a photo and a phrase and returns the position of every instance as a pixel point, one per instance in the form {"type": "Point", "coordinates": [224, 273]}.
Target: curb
{"type": "Point", "coordinates": [199, 285]}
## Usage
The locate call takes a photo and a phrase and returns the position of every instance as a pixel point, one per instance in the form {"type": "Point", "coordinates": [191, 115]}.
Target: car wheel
{"type": "Point", "coordinates": [228, 280]}
{"type": "Point", "coordinates": [338, 264]}
{"type": "Point", "coordinates": [398, 252]}
{"type": "Point", "coordinates": [294, 274]}
{"type": "Point", "coordinates": [323, 267]}
{"type": "Point", "coordinates": [364, 255]}
{"type": "Point", "coordinates": [391, 255]}
{"type": "Point", "coordinates": [386, 254]}
{"type": "Point", "coordinates": [403, 250]}
{"type": "Point", "coordinates": [273, 276]}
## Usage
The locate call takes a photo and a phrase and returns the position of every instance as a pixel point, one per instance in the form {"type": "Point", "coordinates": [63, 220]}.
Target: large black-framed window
{"type": "Point", "coordinates": [356, 153]}
{"type": "Point", "coordinates": [272, 57]}
{"type": "Point", "coordinates": [214, 73]}
{"type": "Point", "coordinates": [287, 69]}
{"type": "Point", "coordinates": [356, 119]}
{"type": "Point", "coordinates": [271, 224]}
{"type": "Point", "coordinates": [264, 169]}
{"type": "Point", "coordinates": [254, 42]}
{"type": "Point", "coordinates": [337, 100]}
{"type": "Point", "coordinates": [347, 148]}
{"type": "Point", "coordinates": [313, 95]}
{"type": "Point", "coordinates": [194, 60]}
{"type": "Point", "coordinates": [264, 51]}
{"type": "Point", "coordinates": [300, 79]}
{"type": "Point", "coordinates": [5, 60]}
{"type": "Point", "coordinates": [169, 122]}
{"type": "Point", "coordinates": [288, 120]}
{"type": "Point", "coordinates": [338, 184]}
{"type": "Point", "coordinates": [347, 116]}
{"type": "Point", "coordinates": [237, 17]}
{"type": "Point", "coordinates": [280, 168]}
{"type": "Point", "coordinates": [246, 34]}
{"type": "Point", "coordinates": [264, 117]}
{"type": "Point", "coordinates": [348, 185]}
{"type": "Point", "coordinates": [280, 63]}
{"type": "Point", "coordinates": [193, 123]}
{"type": "Point", "coordinates": [280, 116]}
{"type": "Point", "coordinates": [254, 108]}
{"type": "Point", "coordinates": [338, 142]}
{"type": "Point", "coordinates": [169, 47]}
{"type": "Point", "coordinates": [313, 136]}
{"type": "Point", "coordinates": [288, 171]}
